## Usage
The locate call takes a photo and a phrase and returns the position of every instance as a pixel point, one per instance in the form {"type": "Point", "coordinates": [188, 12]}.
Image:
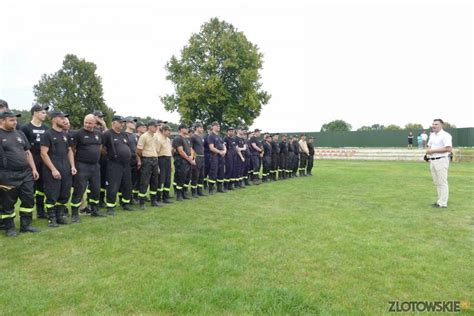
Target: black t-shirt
{"type": "Point", "coordinates": [117, 146]}
{"type": "Point", "coordinates": [240, 142]}
{"type": "Point", "coordinates": [258, 143]}
{"type": "Point", "coordinates": [132, 142]}
{"type": "Point", "coordinates": [230, 143]}
{"type": "Point", "coordinates": [283, 147]}
{"type": "Point", "coordinates": [87, 146]}
{"type": "Point", "coordinates": [180, 141]}
{"type": "Point", "coordinates": [33, 134]}
{"type": "Point", "coordinates": [57, 142]}
{"type": "Point", "coordinates": [197, 143]}
{"type": "Point", "coordinates": [275, 148]}
{"type": "Point", "coordinates": [311, 149]}
{"type": "Point", "coordinates": [267, 149]}
{"type": "Point", "coordinates": [296, 147]}
{"type": "Point", "coordinates": [14, 144]}
{"type": "Point", "coordinates": [216, 140]}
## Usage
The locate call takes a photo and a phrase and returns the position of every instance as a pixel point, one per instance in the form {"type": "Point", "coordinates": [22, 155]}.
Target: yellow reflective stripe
{"type": "Point", "coordinates": [93, 201]}
{"type": "Point", "coordinates": [39, 193]}
{"type": "Point", "coordinates": [159, 190]}
{"type": "Point", "coordinates": [200, 186]}
{"type": "Point", "coordinates": [211, 181]}
{"type": "Point", "coordinates": [226, 180]}
{"type": "Point", "coordinates": [102, 190]}
{"type": "Point", "coordinates": [26, 209]}
{"type": "Point", "coordinates": [12, 215]}
{"type": "Point", "coordinates": [75, 204]}
{"type": "Point", "coordinates": [49, 205]}
{"type": "Point", "coordinates": [135, 191]}
{"type": "Point", "coordinates": [152, 192]}
{"type": "Point", "coordinates": [186, 185]}
{"type": "Point", "coordinates": [125, 201]}
{"type": "Point", "coordinates": [220, 181]}
{"type": "Point", "coordinates": [111, 204]}
{"type": "Point", "coordinates": [88, 191]}
{"type": "Point", "coordinates": [142, 194]}
{"type": "Point", "coordinates": [166, 189]}
{"type": "Point", "coordinates": [178, 187]}
{"type": "Point", "coordinates": [59, 203]}
{"type": "Point", "coordinates": [194, 187]}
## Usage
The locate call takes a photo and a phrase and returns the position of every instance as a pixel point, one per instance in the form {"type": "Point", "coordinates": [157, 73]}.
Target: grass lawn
{"type": "Point", "coordinates": [348, 240]}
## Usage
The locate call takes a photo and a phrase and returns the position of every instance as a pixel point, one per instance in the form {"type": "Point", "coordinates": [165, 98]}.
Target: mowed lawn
{"type": "Point", "coordinates": [348, 240]}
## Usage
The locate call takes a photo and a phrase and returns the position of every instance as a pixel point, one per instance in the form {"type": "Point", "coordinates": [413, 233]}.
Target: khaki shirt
{"type": "Point", "coordinates": [163, 145]}
{"type": "Point", "coordinates": [147, 144]}
{"type": "Point", "coordinates": [303, 146]}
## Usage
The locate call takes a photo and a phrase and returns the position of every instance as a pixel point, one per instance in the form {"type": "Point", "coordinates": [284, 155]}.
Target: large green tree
{"type": "Point", "coordinates": [336, 126]}
{"type": "Point", "coordinates": [413, 126]}
{"type": "Point", "coordinates": [217, 77]}
{"type": "Point", "coordinates": [75, 89]}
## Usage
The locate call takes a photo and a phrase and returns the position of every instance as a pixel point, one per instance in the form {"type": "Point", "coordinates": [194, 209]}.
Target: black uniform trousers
{"type": "Point", "coordinates": [103, 177]}
{"type": "Point", "coordinates": [216, 169]}
{"type": "Point", "coordinates": [309, 166]}
{"type": "Point", "coordinates": [182, 173]}
{"type": "Point", "coordinates": [275, 164]}
{"type": "Point", "coordinates": [88, 175]}
{"type": "Point", "coordinates": [238, 167]}
{"type": "Point", "coordinates": [119, 177]}
{"type": "Point", "coordinates": [267, 164]}
{"type": "Point", "coordinates": [248, 166]}
{"type": "Point", "coordinates": [38, 184]}
{"type": "Point", "coordinates": [135, 176]}
{"type": "Point", "coordinates": [256, 161]}
{"type": "Point", "coordinates": [207, 165]}
{"type": "Point", "coordinates": [229, 166]}
{"type": "Point", "coordinates": [283, 164]}
{"type": "Point", "coordinates": [197, 173]}
{"type": "Point", "coordinates": [23, 189]}
{"type": "Point", "coordinates": [164, 179]}
{"type": "Point", "coordinates": [291, 162]}
{"type": "Point", "coordinates": [303, 161]}
{"type": "Point", "coordinates": [149, 176]}
{"type": "Point", "coordinates": [57, 191]}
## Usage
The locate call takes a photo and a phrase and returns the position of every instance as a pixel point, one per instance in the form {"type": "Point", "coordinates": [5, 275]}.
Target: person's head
{"type": "Point", "coordinates": [140, 128]}
{"type": "Point", "coordinates": [437, 125]}
{"type": "Point", "coordinates": [58, 119]}
{"type": "Point", "coordinates": [198, 128]}
{"type": "Point", "coordinates": [268, 138]}
{"type": "Point", "coordinates": [311, 140]}
{"type": "Point", "coordinates": [152, 126]}
{"type": "Point", "coordinates": [3, 105]}
{"type": "Point", "coordinates": [160, 123]}
{"type": "Point", "coordinates": [410, 133]}
{"type": "Point", "coordinates": [284, 137]}
{"type": "Point", "coordinates": [131, 123]}
{"type": "Point", "coordinates": [183, 129]}
{"type": "Point", "coordinates": [257, 132]}
{"type": "Point", "coordinates": [230, 132]}
{"type": "Point", "coordinates": [89, 122]}
{"type": "Point", "coordinates": [216, 127]}
{"type": "Point", "coordinates": [39, 112]}
{"type": "Point", "coordinates": [303, 137]}
{"type": "Point", "coordinates": [66, 124]}
{"type": "Point", "coordinates": [99, 118]}
{"type": "Point", "coordinates": [166, 130]}
{"type": "Point", "coordinates": [118, 123]}
{"type": "Point", "coordinates": [275, 137]}
{"type": "Point", "coordinates": [8, 120]}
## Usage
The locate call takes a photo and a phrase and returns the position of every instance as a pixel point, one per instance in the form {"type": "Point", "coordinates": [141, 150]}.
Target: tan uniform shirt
{"type": "Point", "coordinates": [163, 145]}
{"type": "Point", "coordinates": [147, 144]}
{"type": "Point", "coordinates": [303, 146]}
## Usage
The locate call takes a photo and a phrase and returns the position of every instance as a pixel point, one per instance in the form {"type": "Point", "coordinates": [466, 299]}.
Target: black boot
{"type": "Point", "coordinates": [52, 222]}
{"type": "Point", "coordinates": [10, 230]}
{"type": "Point", "coordinates": [230, 186]}
{"type": "Point", "coordinates": [246, 181]}
{"type": "Point", "coordinates": [25, 224]}
{"type": "Point", "coordinates": [219, 188]}
{"type": "Point", "coordinates": [135, 198]}
{"type": "Point", "coordinates": [179, 195]}
{"type": "Point", "coordinates": [166, 197]}
{"type": "Point", "coordinates": [154, 202]}
{"type": "Point", "coordinates": [2, 224]}
{"type": "Point", "coordinates": [211, 188]}
{"type": "Point", "coordinates": [110, 211]}
{"type": "Point", "coordinates": [199, 192]}
{"type": "Point", "coordinates": [75, 215]}
{"type": "Point", "coordinates": [127, 207]}
{"type": "Point", "coordinates": [95, 211]}
{"type": "Point", "coordinates": [194, 193]}
{"type": "Point", "coordinates": [184, 193]}
{"type": "Point", "coordinates": [40, 213]}
{"type": "Point", "coordinates": [60, 215]}
{"type": "Point", "coordinates": [142, 203]}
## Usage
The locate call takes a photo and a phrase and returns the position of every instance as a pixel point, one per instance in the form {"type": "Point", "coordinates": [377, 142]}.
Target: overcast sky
{"type": "Point", "coordinates": [366, 62]}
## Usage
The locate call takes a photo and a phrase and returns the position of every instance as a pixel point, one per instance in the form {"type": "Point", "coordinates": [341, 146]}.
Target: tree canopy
{"type": "Point", "coordinates": [217, 77]}
{"type": "Point", "coordinates": [336, 126]}
{"type": "Point", "coordinates": [75, 89]}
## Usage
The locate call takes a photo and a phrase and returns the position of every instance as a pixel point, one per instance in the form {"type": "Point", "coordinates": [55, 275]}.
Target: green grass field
{"type": "Point", "coordinates": [348, 240]}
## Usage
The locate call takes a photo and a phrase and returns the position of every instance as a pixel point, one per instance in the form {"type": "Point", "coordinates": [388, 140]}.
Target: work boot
{"type": "Point", "coordinates": [154, 202]}
{"type": "Point", "coordinates": [60, 217]}
{"type": "Point", "coordinates": [110, 211]}
{"type": "Point", "coordinates": [179, 195]}
{"type": "Point", "coordinates": [75, 215]}
{"type": "Point", "coordinates": [127, 207]}
{"type": "Point", "coordinates": [25, 224]}
{"type": "Point", "coordinates": [40, 213]}
{"type": "Point", "coordinates": [184, 193]}
{"type": "Point", "coordinates": [166, 197]}
{"type": "Point", "coordinates": [142, 204]}
{"type": "Point", "coordinates": [199, 192]}
{"type": "Point", "coordinates": [211, 188]}
{"type": "Point", "coordinates": [194, 193]}
{"type": "Point", "coordinates": [230, 186]}
{"type": "Point", "coordinates": [52, 222]}
{"type": "Point", "coordinates": [95, 211]}
{"type": "Point", "coordinates": [10, 230]}
{"type": "Point", "coordinates": [135, 198]}
{"type": "Point", "coordinates": [219, 188]}
{"type": "Point", "coordinates": [86, 210]}
{"type": "Point", "coordinates": [225, 186]}
{"type": "Point", "coordinates": [246, 181]}
{"type": "Point", "coordinates": [2, 224]}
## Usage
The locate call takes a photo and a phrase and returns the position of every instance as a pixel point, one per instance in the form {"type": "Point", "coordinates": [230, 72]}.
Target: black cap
{"type": "Point", "coordinates": [257, 130]}
{"type": "Point", "coordinates": [275, 134]}
{"type": "Point", "coordinates": [58, 114]}
{"type": "Point", "coordinates": [197, 124]}
{"type": "Point", "coordinates": [9, 114]}
{"type": "Point", "coordinates": [182, 126]}
{"type": "Point", "coordinates": [118, 118]}
{"type": "Point", "coordinates": [268, 136]}
{"type": "Point", "coordinates": [131, 119]}
{"type": "Point", "coordinates": [98, 113]}
{"type": "Point", "coordinates": [166, 128]}
{"type": "Point", "coordinates": [38, 108]}
{"type": "Point", "coordinates": [215, 123]}
{"type": "Point", "coordinates": [3, 104]}
{"type": "Point", "coordinates": [161, 122]}
{"type": "Point", "coordinates": [139, 124]}
{"type": "Point", "coordinates": [151, 123]}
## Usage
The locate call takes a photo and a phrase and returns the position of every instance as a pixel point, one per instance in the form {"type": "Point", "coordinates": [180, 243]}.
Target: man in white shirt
{"type": "Point", "coordinates": [439, 147]}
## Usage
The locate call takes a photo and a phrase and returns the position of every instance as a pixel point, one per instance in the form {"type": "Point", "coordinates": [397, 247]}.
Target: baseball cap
{"type": "Point", "coordinates": [131, 119]}
{"type": "Point", "coordinates": [38, 108]}
{"type": "Point", "coordinates": [58, 113]}
{"type": "Point", "coordinates": [151, 123]}
{"type": "Point", "coordinates": [182, 126]}
{"type": "Point", "coordinates": [98, 113]}
{"type": "Point", "coordinates": [9, 114]}
{"type": "Point", "coordinates": [118, 118]}
{"type": "Point", "coordinates": [230, 128]}
{"type": "Point", "coordinates": [257, 130]}
{"type": "Point", "coordinates": [140, 124]}
{"type": "Point", "coordinates": [214, 123]}
{"type": "Point", "coordinates": [161, 122]}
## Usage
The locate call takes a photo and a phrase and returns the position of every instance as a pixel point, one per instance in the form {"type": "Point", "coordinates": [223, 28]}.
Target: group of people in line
{"type": "Point", "coordinates": [129, 164]}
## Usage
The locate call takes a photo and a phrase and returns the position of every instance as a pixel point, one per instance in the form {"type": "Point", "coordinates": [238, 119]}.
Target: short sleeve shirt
{"type": "Point", "coordinates": [15, 145]}
{"type": "Point", "coordinates": [180, 141]}
{"type": "Point", "coordinates": [57, 142]}
{"type": "Point", "coordinates": [440, 140]}
{"type": "Point", "coordinates": [88, 146]}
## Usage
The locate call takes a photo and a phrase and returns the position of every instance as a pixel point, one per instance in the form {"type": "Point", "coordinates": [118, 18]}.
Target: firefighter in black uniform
{"type": "Point", "coordinates": [58, 169]}
{"type": "Point", "coordinates": [248, 157]}
{"type": "Point", "coordinates": [230, 144]}
{"type": "Point", "coordinates": [257, 154]}
{"type": "Point", "coordinates": [149, 177]}
{"type": "Point", "coordinates": [284, 173]}
{"type": "Point", "coordinates": [183, 160]}
{"type": "Point", "coordinates": [33, 132]}
{"type": "Point", "coordinates": [216, 160]}
{"type": "Point", "coordinates": [87, 144]}
{"type": "Point", "coordinates": [102, 127]}
{"type": "Point", "coordinates": [296, 161]}
{"type": "Point", "coordinates": [309, 167]}
{"type": "Point", "coordinates": [267, 158]}
{"type": "Point", "coordinates": [116, 147]}
{"type": "Point", "coordinates": [239, 158]}
{"type": "Point", "coordinates": [207, 157]}
{"type": "Point", "coordinates": [291, 158]}
{"type": "Point", "coordinates": [17, 175]}
{"type": "Point", "coordinates": [275, 158]}
{"type": "Point", "coordinates": [197, 173]}
{"type": "Point", "coordinates": [135, 162]}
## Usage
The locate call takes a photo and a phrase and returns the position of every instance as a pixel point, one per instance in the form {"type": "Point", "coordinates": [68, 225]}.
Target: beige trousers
{"type": "Point", "coordinates": [439, 172]}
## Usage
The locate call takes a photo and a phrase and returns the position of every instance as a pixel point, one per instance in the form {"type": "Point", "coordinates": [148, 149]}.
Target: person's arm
{"type": "Point", "coordinates": [441, 150]}
{"type": "Point", "coordinates": [254, 146]}
{"type": "Point", "coordinates": [70, 156]}
{"type": "Point", "coordinates": [181, 152]}
{"type": "Point", "coordinates": [32, 165]}
{"type": "Point", "coordinates": [47, 161]}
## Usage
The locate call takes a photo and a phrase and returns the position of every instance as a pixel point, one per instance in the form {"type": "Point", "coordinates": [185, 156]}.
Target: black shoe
{"type": "Point", "coordinates": [142, 207]}
{"type": "Point", "coordinates": [179, 196]}
{"type": "Point", "coordinates": [2, 224]}
{"type": "Point", "coordinates": [11, 232]}
{"type": "Point", "coordinates": [435, 205]}
{"type": "Point", "coordinates": [155, 203]}
{"type": "Point", "coordinates": [110, 212]}
{"type": "Point", "coordinates": [127, 207]}
{"type": "Point", "coordinates": [439, 206]}
{"type": "Point", "coordinates": [53, 223]}
{"type": "Point", "coordinates": [62, 220]}
{"type": "Point", "coordinates": [41, 216]}
{"type": "Point", "coordinates": [25, 225]}
{"type": "Point", "coordinates": [75, 218]}
{"type": "Point", "coordinates": [102, 204]}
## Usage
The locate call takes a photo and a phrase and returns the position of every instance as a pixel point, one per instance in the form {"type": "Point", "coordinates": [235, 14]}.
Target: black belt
{"type": "Point", "coordinates": [436, 158]}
